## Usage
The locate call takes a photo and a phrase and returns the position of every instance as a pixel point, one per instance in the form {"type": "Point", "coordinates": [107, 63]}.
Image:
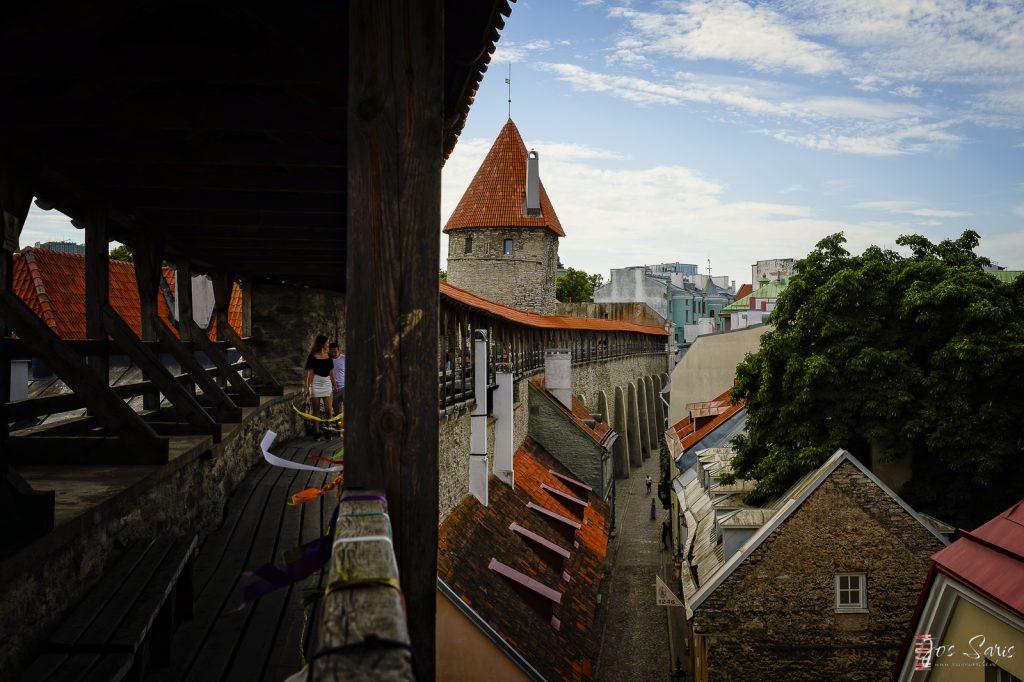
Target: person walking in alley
{"type": "Point", "coordinates": [653, 513]}
{"type": "Point", "coordinates": [647, 482]}
{"type": "Point", "coordinates": [665, 532]}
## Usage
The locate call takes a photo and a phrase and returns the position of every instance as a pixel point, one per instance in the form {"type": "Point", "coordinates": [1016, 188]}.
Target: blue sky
{"type": "Point", "coordinates": [735, 131]}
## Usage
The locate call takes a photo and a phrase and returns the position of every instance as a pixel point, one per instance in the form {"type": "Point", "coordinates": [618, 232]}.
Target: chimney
{"type": "Point", "coordinates": [478, 420]}
{"type": "Point", "coordinates": [558, 375]}
{"type": "Point", "coordinates": [532, 184]}
{"type": "Point", "coordinates": [19, 379]}
{"type": "Point", "coordinates": [502, 408]}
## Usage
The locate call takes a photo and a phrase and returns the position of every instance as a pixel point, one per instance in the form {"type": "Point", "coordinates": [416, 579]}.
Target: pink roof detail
{"type": "Point", "coordinates": [551, 514]}
{"type": "Point", "coordinates": [539, 539]}
{"type": "Point", "coordinates": [564, 496]}
{"type": "Point", "coordinates": [565, 478]}
{"type": "Point", "coordinates": [525, 580]}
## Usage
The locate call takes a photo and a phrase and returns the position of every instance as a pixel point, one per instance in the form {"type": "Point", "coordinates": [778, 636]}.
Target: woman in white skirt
{"type": "Point", "coordinates": [320, 384]}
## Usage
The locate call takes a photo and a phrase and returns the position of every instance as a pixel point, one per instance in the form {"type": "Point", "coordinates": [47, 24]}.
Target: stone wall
{"type": "Point", "coordinates": [587, 379]}
{"type": "Point", "coordinates": [637, 313]}
{"type": "Point", "coordinates": [775, 618]}
{"type": "Point", "coordinates": [567, 443]}
{"type": "Point", "coordinates": [286, 319]}
{"type": "Point", "coordinates": [524, 280]}
{"type": "Point", "coordinates": [43, 582]}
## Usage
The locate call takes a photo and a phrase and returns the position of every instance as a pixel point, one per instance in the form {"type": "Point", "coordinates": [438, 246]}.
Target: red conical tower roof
{"type": "Point", "coordinates": [496, 196]}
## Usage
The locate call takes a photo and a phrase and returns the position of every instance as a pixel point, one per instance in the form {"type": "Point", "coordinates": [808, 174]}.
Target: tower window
{"type": "Point", "coordinates": [508, 247]}
{"type": "Point", "coordinates": [469, 245]}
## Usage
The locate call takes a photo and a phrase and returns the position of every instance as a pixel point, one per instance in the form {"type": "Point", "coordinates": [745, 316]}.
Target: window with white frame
{"type": "Point", "coordinates": [851, 592]}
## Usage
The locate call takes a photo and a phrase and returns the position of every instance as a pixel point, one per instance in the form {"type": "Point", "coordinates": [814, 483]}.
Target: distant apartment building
{"type": "Point", "coordinates": [756, 306]}
{"type": "Point", "coordinates": [775, 269]}
{"type": "Point", "coordinates": [63, 247]}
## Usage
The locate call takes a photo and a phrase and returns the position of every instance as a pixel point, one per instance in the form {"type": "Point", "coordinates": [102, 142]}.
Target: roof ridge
{"type": "Point", "coordinates": [46, 310]}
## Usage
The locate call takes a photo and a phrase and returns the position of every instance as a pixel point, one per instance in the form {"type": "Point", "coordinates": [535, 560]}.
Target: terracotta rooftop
{"type": "Point", "coordinates": [543, 321]}
{"type": "Point", "coordinates": [496, 196]}
{"type": "Point", "coordinates": [558, 639]}
{"type": "Point", "coordinates": [744, 291]}
{"type": "Point", "coordinates": [52, 284]}
{"type": "Point", "coordinates": [690, 432]}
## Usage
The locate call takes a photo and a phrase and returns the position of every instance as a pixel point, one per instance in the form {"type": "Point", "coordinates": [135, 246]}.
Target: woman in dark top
{"type": "Point", "coordinates": [320, 384]}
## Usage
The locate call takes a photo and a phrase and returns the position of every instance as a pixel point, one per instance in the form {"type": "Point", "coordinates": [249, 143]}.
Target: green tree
{"type": "Point", "coordinates": [121, 252]}
{"type": "Point", "coordinates": [920, 356]}
{"type": "Point", "coordinates": [574, 287]}
{"type": "Point", "coordinates": [442, 275]}
{"type": "Point", "coordinates": [596, 280]}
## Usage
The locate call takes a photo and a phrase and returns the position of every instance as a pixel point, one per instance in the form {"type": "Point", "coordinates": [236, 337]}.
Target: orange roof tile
{"type": "Point", "coordinates": [744, 290]}
{"type": "Point", "coordinates": [543, 321]}
{"type": "Point", "coordinates": [694, 437]}
{"type": "Point", "coordinates": [495, 196]}
{"type": "Point", "coordinates": [52, 284]}
{"type": "Point", "coordinates": [473, 534]}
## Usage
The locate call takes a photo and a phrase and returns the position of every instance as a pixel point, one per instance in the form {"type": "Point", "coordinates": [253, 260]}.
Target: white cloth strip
{"type": "Point", "coordinates": [268, 440]}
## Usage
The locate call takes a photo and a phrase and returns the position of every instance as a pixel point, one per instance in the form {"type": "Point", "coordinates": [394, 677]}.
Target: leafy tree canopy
{"type": "Point", "coordinates": [919, 356]}
{"type": "Point", "coordinates": [575, 286]}
{"type": "Point", "coordinates": [121, 252]}
{"type": "Point", "coordinates": [442, 275]}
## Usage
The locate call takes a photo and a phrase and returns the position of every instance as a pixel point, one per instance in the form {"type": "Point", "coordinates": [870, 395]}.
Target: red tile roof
{"type": "Point", "coordinates": [473, 535]}
{"type": "Point", "coordinates": [52, 284]}
{"type": "Point", "coordinates": [495, 196]}
{"type": "Point", "coordinates": [687, 428]}
{"type": "Point", "coordinates": [990, 559]}
{"type": "Point", "coordinates": [744, 290]}
{"type": "Point", "coordinates": [542, 321]}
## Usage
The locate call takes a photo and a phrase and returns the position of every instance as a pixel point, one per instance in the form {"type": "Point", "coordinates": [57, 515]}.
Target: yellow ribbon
{"type": "Point", "coordinates": [333, 419]}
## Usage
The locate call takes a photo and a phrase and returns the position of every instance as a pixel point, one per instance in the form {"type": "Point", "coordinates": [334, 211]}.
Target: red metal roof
{"type": "Point", "coordinates": [495, 196]}
{"type": "Point", "coordinates": [990, 559]}
{"type": "Point", "coordinates": [52, 284]}
{"type": "Point", "coordinates": [744, 290]}
{"type": "Point", "coordinates": [543, 321]}
{"type": "Point", "coordinates": [686, 428]}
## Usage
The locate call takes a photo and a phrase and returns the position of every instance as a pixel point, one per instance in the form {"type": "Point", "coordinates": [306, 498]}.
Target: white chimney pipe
{"type": "Point", "coordinates": [558, 375]}
{"type": "Point", "coordinates": [478, 420]}
{"type": "Point", "coordinates": [532, 183]}
{"type": "Point", "coordinates": [19, 379]}
{"type": "Point", "coordinates": [503, 440]}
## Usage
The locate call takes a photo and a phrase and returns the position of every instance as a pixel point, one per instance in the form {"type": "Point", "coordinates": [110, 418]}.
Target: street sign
{"type": "Point", "coordinates": [665, 596]}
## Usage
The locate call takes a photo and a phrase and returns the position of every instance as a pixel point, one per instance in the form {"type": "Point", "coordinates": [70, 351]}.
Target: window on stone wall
{"type": "Point", "coordinates": [851, 592]}
{"type": "Point", "coordinates": [469, 245]}
{"type": "Point", "coordinates": [508, 247]}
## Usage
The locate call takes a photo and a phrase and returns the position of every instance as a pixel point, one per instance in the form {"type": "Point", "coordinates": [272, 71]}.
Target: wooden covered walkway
{"type": "Point", "coordinates": [261, 642]}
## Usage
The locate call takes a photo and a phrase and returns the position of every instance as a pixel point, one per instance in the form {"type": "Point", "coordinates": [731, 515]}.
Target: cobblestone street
{"type": "Point", "coordinates": [634, 643]}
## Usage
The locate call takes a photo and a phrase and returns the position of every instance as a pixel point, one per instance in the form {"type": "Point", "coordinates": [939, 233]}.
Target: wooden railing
{"type": "Point", "coordinates": [520, 348]}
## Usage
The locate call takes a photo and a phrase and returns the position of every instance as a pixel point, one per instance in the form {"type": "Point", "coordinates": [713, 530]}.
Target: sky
{"type": "Point", "coordinates": [734, 131]}
{"type": "Point", "coordinates": [730, 131]}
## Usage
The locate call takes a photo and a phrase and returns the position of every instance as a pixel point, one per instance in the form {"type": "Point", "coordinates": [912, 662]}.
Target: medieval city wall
{"type": "Point", "coordinates": [524, 280]}
{"type": "Point", "coordinates": [587, 379]}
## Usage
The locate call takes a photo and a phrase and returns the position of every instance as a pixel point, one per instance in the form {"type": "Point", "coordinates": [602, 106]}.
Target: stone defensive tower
{"type": "Point", "coordinates": [503, 235]}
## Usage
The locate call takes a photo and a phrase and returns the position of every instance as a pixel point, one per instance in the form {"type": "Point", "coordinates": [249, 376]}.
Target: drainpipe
{"type": "Point", "coordinates": [478, 420]}
{"type": "Point", "coordinates": [503, 426]}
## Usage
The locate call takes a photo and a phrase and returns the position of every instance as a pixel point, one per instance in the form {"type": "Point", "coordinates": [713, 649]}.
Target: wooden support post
{"type": "Point", "coordinates": [245, 395]}
{"type": "Point", "coordinates": [155, 371]}
{"type": "Point", "coordinates": [97, 286]}
{"type": "Point", "coordinates": [148, 253]}
{"type": "Point", "coordinates": [266, 381]}
{"type": "Point", "coordinates": [225, 408]}
{"type": "Point", "coordinates": [395, 124]}
{"type": "Point", "coordinates": [222, 282]}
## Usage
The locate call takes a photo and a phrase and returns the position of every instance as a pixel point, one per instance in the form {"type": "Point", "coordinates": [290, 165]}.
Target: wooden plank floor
{"type": "Point", "coordinates": [261, 642]}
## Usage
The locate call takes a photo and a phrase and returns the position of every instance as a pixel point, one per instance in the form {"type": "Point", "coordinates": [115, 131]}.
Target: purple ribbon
{"type": "Point", "coordinates": [313, 557]}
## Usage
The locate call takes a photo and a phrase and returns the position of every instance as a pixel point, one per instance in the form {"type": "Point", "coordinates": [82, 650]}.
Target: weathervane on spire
{"type": "Point", "coordinates": [508, 82]}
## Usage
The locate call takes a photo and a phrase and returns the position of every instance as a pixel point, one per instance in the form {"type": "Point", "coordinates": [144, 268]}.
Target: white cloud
{"type": "Point", "coordinates": [912, 208]}
{"type": "Point", "coordinates": [911, 91]}
{"type": "Point", "coordinates": [508, 51]}
{"type": "Point", "coordinates": [869, 82]}
{"type": "Point", "coordinates": [901, 137]}
{"type": "Point", "coordinates": [729, 30]}
{"type": "Point", "coordinates": [1019, 211]}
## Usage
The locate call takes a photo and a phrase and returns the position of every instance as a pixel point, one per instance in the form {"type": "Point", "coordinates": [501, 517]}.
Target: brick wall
{"type": "Point", "coordinates": [774, 617]}
{"type": "Point", "coordinates": [525, 279]}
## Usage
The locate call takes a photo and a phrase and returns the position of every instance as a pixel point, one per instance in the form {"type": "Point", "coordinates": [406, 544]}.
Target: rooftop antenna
{"type": "Point", "coordinates": [508, 82]}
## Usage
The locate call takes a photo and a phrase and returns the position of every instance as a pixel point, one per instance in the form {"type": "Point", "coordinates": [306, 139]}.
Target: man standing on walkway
{"type": "Point", "coordinates": [647, 481]}
{"type": "Point", "coordinates": [339, 376]}
{"type": "Point", "coordinates": [664, 534]}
